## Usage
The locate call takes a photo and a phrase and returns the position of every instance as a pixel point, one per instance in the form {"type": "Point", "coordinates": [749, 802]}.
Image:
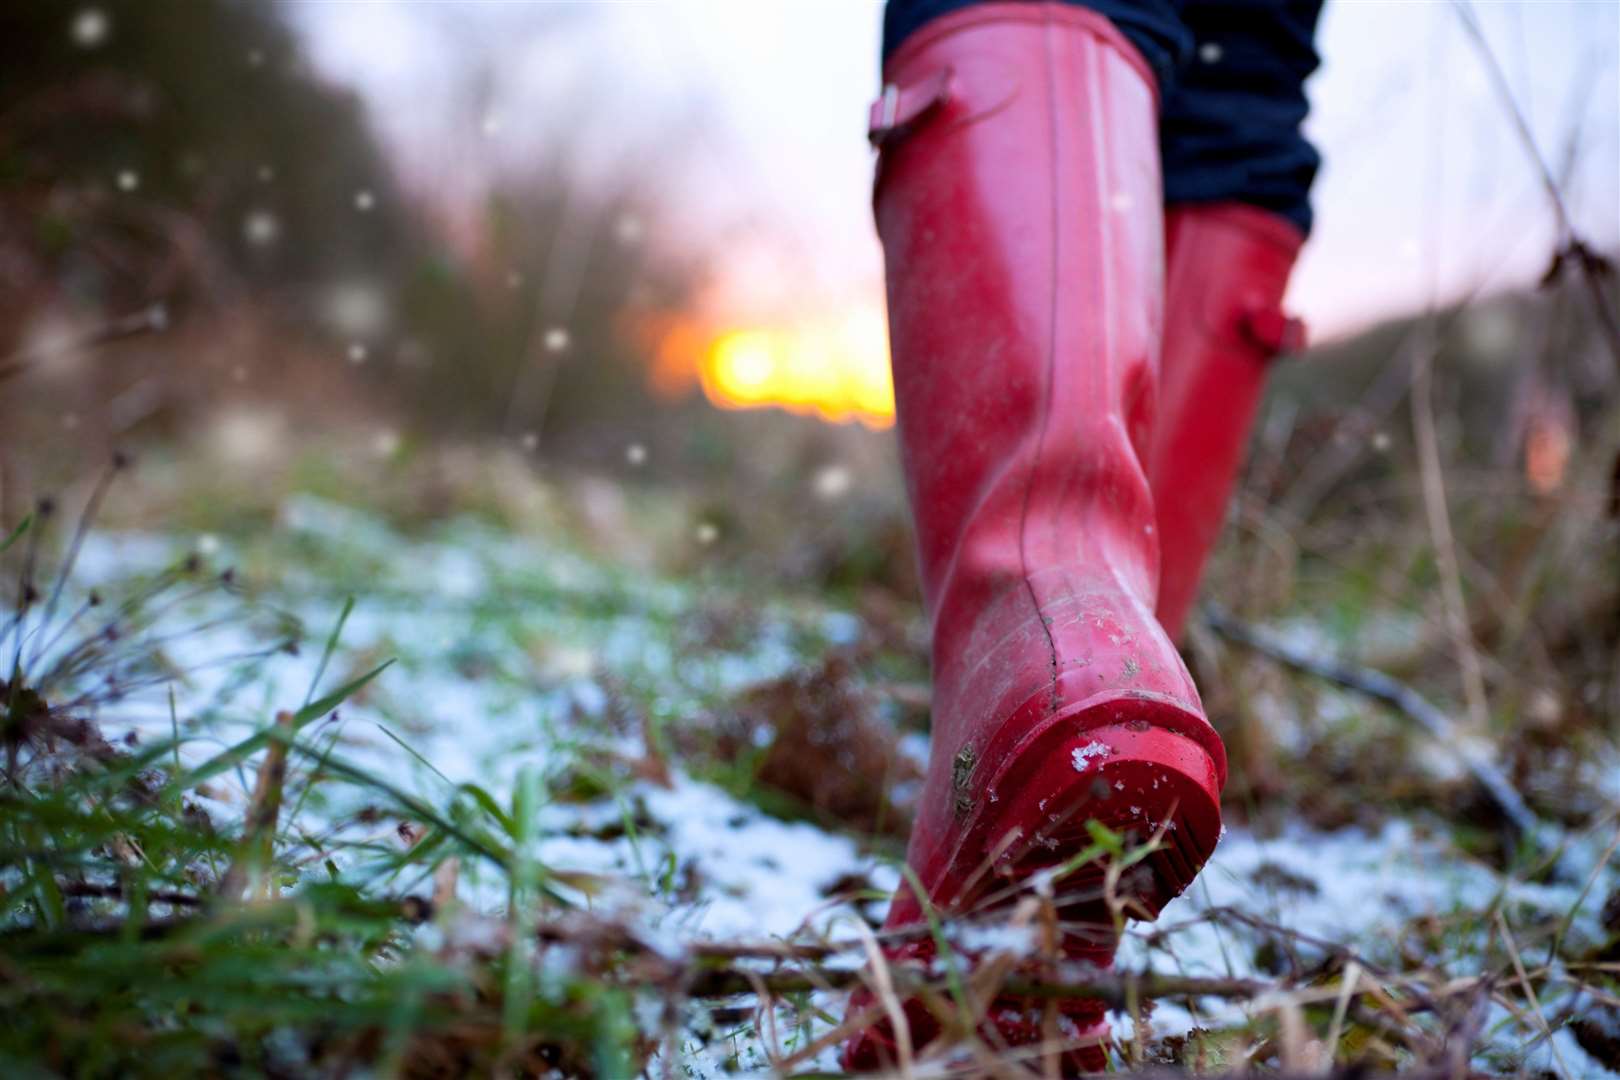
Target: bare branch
{"type": "Point", "coordinates": [1398, 696]}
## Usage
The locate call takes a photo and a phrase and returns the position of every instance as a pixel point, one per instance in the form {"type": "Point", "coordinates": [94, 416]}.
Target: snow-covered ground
{"type": "Point", "coordinates": [507, 654]}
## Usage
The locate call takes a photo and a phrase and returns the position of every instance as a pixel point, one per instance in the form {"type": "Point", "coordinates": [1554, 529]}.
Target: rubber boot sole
{"type": "Point", "coordinates": [1120, 759]}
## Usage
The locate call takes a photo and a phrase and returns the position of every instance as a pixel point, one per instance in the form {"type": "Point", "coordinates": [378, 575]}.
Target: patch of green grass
{"type": "Point", "coordinates": [389, 919]}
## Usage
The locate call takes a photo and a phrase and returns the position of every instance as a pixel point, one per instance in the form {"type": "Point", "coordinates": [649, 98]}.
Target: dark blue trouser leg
{"type": "Point", "coordinates": [1232, 76]}
{"type": "Point", "coordinates": [1230, 126]}
{"type": "Point", "coordinates": [1154, 27]}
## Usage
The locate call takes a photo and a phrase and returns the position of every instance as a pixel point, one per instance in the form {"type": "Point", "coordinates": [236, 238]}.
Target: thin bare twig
{"type": "Point", "coordinates": [1529, 991]}
{"type": "Point", "coordinates": [883, 987]}
{"type": "Point", "coordinates": [1438, 513]}
{"type": "Point", "coordinates": [150, 319]}
{"type": "Point", "coordinates": [259, 826]}
{"type": "Point", "coordinates": [1398, 696]}
{"type": "Point", "coordinates": [91, 890]}
{"type": "Point", "coordinates": [1573, 249]}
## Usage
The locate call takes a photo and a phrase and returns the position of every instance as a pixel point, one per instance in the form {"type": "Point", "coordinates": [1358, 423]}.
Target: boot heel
{"type": "Point", "coordinates": [1146, 784]}
{"type": "Point", "coordinates": [1133, 773]}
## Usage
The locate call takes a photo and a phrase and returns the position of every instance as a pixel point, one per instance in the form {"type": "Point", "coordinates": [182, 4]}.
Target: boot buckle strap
{"type": "Point", "coordinates": [1273, 330]}
{"type": "Point", "coordinates": [901, 107]}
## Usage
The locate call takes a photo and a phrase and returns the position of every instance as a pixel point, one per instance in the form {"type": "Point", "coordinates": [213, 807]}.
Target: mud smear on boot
{"type": "Point", "coordinates": [962, 780]}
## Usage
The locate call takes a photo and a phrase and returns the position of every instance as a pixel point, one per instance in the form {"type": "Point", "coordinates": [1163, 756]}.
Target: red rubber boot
{"type": "Point", "coordinates": [1018, 201]}
{"type": "Point", "coordinates": [1227, 266]}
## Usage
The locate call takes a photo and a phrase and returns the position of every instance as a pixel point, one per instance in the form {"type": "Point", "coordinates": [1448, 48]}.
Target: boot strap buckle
{"type": "Point", "coordinates": [901, 107]}
{"type": "Point", "coordinates": [1274, 331]}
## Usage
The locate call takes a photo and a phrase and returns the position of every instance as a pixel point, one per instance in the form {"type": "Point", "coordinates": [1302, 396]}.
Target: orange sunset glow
{"type": "Point", "coordinates": [835, 367]}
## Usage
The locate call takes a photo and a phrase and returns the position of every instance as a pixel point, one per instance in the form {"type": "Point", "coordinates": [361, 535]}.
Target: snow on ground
{"type": "Point", "coordinates": [1337, 886]}
{"type": "Point", "coordinates": [1353, 889]}
{"type": "Point", "coordinates": [432, 603]}
{"type": "Point", "coordinates": [503, 647]}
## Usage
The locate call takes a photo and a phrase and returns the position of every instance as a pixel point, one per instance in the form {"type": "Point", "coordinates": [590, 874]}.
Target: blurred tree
{"type": "Point", "coordinates": [177, 152]}
{"type": "Point", "coordinates": [185, 155]}
{"type": "Point", "coordinates": [535, 336]}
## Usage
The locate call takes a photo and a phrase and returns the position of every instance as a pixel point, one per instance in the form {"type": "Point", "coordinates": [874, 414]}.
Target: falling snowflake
{"type": "Point", "coordinates": [247, 434]}
{"type": "Point", "coordinates": [255, 58]}
{"type": "Point", "coordinates": [261, 228]}
{"type": "Point", "coordinates": [128, 180]}
{"type": "Point", "coordinates": [492, 124]}
{"type": "Point", "coordinates": [635, 454]}
{"type": "Point", "coordinates": [707, 533]}
{"type": "Point", "coordinates": [831, 482]}
{"type": "Point", "coordinates": [1210, 52]}
{"type": "Point", "coordinates": [628, 229]}
{"type": "Point", "coordinates": [266, 174]}
{"type": "Point", "coordinates": [556, 339]}
{"type": "Point", "coordinates": [356, 309]}
{"type": "Point", "coordinates": [530, 441]}
{"type": "Point", "coordinates": [208, 545]}
{"type": "Point", "coordinates": [386, 443]}
{"type": "Point", "coordinates": [364, 201]}
{"type": "Point", "coordinates": [358, 353]}
{"type": "Point", "coordinates": [514, 280]}
{"type": "Point", "coordinates": [90, 28]}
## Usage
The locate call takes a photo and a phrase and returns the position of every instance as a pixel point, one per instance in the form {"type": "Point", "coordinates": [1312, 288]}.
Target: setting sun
{"type": "Point", "coordinates": [837, 368]}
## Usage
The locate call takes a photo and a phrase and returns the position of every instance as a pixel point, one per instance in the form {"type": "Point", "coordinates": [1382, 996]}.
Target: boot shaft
{"type": "Point", "coordinates": [1227, 267]}
{"type": "Point", "coordinates": [1019, 206]}
{"type": "Point", "coordinates": [1017, 200]}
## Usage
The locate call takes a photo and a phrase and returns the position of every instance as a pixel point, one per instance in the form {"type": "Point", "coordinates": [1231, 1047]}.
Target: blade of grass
{"type": "Point", "coordinates": [174, 729]}
{"type": "Point", "coordinates": [487, 802]}
{"type": "Point", "coordinates": [412, 805]}
{"type": "Point", "coordinates": [15, 534]}
{"type": "Point", "coordinates": [411, 750]}
{"type": "Point", "coordinates": [942, 946]}
{"type": "Point", "coordinates": [314, 773]}
{"type": "Point", "coordinates": [252, 744]}
{"type": "Point", "coordinates": [331, 647]}
{"type": "Point", "coordinates": [523, 885]}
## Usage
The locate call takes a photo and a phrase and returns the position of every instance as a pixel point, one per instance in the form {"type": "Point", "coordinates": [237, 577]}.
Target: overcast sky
{"type": "Point", "coordinates": [753, 112]}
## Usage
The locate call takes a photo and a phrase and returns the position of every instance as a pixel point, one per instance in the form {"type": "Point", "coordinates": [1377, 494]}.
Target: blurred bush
{"type": "Point", "coordinates": [196, 228]}
{"type": "Point", "coordinates": [178, 153]}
